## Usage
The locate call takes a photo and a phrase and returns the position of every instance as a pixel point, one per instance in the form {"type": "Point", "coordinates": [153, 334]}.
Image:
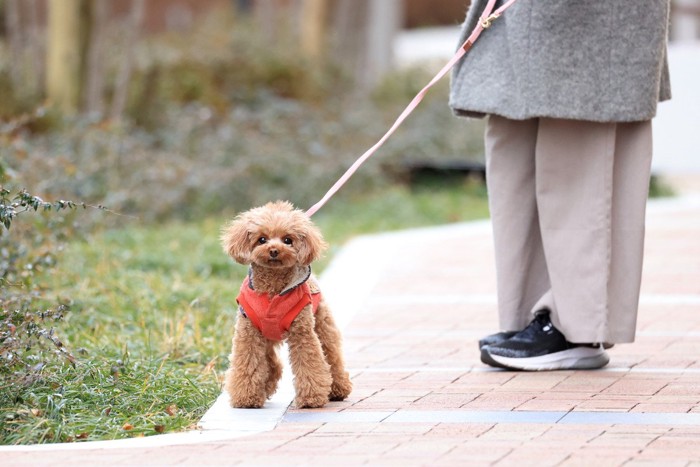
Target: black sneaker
{"type": "Point", "coordinates": [495, 339]}
{"type": "Point", "coordinates": [540, 346]}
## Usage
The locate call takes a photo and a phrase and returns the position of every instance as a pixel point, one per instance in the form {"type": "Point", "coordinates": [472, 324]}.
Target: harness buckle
{"type": "Point", "coordinates": [486, 22]}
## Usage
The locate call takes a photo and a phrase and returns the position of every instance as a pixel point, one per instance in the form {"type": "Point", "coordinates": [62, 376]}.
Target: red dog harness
{"type": "Point", "coordinates": [274, 315]}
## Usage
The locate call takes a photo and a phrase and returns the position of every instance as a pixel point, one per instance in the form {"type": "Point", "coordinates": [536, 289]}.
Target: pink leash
{"type": "Point", "coordinates": [487, 17]}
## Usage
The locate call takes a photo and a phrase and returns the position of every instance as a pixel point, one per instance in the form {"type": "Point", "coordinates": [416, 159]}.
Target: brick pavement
{"type": "Point", "coordinates": [422, 397]}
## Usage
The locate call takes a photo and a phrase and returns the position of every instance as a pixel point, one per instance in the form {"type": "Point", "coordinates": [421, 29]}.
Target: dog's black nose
{"type": "Point", "coordinates": [274, 253]}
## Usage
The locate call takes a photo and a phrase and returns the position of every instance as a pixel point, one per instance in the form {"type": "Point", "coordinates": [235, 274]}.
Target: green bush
{"type": "Point", "coordinates": [10, 105]}
{"type": "Point", "coordinates": [28, 341]}
{"type": "Point", "coordinates": [86, 375]}
{"type": "Point", "coordinates": [223, 118]}
{"type": "Point", "coordinates": [197, 164]}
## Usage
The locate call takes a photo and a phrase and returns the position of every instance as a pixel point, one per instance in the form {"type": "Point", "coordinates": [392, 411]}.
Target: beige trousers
{"type": "Point", "coordinates": [567, 202]}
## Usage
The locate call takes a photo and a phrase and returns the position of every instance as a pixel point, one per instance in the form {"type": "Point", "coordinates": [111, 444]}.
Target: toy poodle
{"type": "Point", "coordinates": [280, 300]}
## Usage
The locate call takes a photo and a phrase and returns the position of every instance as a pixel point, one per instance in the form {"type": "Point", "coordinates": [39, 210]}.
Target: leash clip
{"type": "Point", "coordinates": [486, 22]}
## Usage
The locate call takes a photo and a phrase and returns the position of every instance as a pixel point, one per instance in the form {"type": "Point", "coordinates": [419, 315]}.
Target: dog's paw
{"type": "Point", "coordinates": [313, 401]}
{"type": "Point", "coordinates": [341, 388]}
{"type": "Point", "coordinates": [255, 402]}
{"type": "Point", "coordinates": [270, 389]}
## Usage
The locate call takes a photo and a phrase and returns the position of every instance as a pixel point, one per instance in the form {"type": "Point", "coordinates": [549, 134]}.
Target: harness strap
{"type": "Point", "coordinates": [273, 315]}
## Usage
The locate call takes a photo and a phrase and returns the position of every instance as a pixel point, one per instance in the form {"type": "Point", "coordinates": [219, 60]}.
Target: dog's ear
{"type": "Point", "coordinates": [312, 244]}
{"type": "Point", "coordinates": [235, 238]}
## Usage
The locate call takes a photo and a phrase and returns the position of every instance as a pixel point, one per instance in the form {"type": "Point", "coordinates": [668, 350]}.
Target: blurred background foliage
{"type": "Point", "coordinates": [218, 117]}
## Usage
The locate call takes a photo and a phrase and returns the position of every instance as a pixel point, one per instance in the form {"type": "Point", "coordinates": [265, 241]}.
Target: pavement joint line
{"type": "Point", "coordinates": [491, 299]}
{"type": "Point", "coordinates": [652, 370]}
{"type": "Point", "coordinates": [502, 416]}
{"type": "Point", "coordinates": [669, 299]}
{"type": "Point", "coordinates": [485, 369]}
{"type": "Point", "coordinates": [169, 439]}
{"type": "Point", "coordinates": [370, 416]}
{"type": "Point", "coordinates": [668, 333]}
{"type": "Point", "coordinates": [470, 334]}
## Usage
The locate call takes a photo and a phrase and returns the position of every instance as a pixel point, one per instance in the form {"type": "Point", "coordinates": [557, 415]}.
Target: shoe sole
{"type": "Point", "coordinates": [578, 358]}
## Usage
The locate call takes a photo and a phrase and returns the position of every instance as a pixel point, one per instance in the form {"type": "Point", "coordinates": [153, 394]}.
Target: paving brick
{"type": "Point", "coordinates": [535, 381]}
{"type": "Point", "coordinates": [556, 405]}
{"type": "Point", "coordinates": [500, 401]}
{"type": "Point", "coordinates": [590, 457]}
{"type": "Point", "coordinates": [372, 444]}
{"type": "Point", "coordinates": [607, 404]}
{"type": "Point", "coordinates": [515, 432]}
{"type": "Point", "coordinates": [404, 428]}
{"type": "Point", "coordinates": [422, 449]}
{"type": "Point", "coordinates": [345, 428]}
{"type": "Point", "coordinates": [443, 401]}
{"type": "Point", "coordinates": [663, 408]}
{"type": "Point", "coordinates": [462, 431]}
{"type": "Point", "coordinates": [476, 453]}
{"type": "Point", "coordinates": [536, 456]}
{"type": "Point", "coordinates": [631, 385]}
{"type": "Point", "coordinates": [617, 439]}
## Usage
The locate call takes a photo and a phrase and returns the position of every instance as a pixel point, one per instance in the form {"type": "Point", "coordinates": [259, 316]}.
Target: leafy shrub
{"type": "Point", "coordinates": [11, 105]}
{"type": "Point", "coordinates": [219, 120]}
{"type": "Point", "coordinates": [432, 134]}
{"type": "Point", "coordinates": [110, 387]}
{"type": "Point", "coordinates": [660, 188]}
{"type": "Point", "coordinates": [197, 163]}
{"type": "Point", "coordinates": [27, 339]}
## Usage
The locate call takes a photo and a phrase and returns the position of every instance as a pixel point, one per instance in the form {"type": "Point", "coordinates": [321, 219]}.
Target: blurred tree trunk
{"type": "Point", "coordinates": [313, 25]}
{"type": "Point", "coordinates": [64, 63]}
{"type": "Point", "coordinates": [265, 16]}
{"type": "Point", "coordinates": [383, 23]}
{"type": "Point", "coordinates": [363, 36]}
{"type": "Point", "coordinates": [95, 66]}
{"type": "Point", "coordinates": [121, 87]}
{"type": "Point", "coordinates": [14, 38]}
{"type": "Point", "coordinates": [37, 48]}
{"type": "Point", "coordinates": [348, 26]}
{"type": "Point", "coordinates": [26, 50]}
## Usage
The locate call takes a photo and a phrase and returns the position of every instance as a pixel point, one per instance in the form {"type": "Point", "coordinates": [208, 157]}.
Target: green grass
{"type": "Point", "coordinates": [400, 207]}
{"type": "Point", "coordinates": [153, 315]}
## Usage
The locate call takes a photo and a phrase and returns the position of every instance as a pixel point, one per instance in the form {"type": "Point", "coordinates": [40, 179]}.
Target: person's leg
{"type": "Point", "coordinates": [592, 185]}
{"type": "Point", "coordinates": [574, 196]}
{"type": "Point", "coordinates": [631, 173]}
{"type": "Point", "coordinates": [592, 182]}
{"type": "Point", "coordinates": [521, 271]}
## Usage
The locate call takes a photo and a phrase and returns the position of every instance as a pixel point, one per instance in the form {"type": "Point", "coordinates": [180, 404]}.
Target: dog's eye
{"type": "Point", "coordinates": [262, 240]}
{"type": "Point", "coordinates": [287, 240]}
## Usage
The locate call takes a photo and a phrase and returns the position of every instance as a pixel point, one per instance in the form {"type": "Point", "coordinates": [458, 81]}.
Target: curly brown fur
{"type": "Point", "coordinates": [279, 242]}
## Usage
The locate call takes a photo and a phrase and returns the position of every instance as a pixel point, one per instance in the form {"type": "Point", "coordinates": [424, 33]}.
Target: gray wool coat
{"type": "Point", "coordinates": [595, 60]}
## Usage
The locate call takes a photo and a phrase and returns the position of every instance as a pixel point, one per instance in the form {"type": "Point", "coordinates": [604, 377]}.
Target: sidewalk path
{"type": "Point", "coordinates": [422, 397]}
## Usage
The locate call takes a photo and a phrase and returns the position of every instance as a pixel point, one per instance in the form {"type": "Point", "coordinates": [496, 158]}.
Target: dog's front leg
{"type": "Point", "coordinates": [331, 342]}
{"type": "Point", "coordinates": [247, 378]}
{"type": "Point", "coordinates": [275, 366]}
{"type": "Point", "coordinates": [312, 378]}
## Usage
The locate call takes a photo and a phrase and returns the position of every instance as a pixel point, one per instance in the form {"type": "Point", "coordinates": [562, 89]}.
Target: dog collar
{"type": "Point", "coordinates": [296, 281]}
